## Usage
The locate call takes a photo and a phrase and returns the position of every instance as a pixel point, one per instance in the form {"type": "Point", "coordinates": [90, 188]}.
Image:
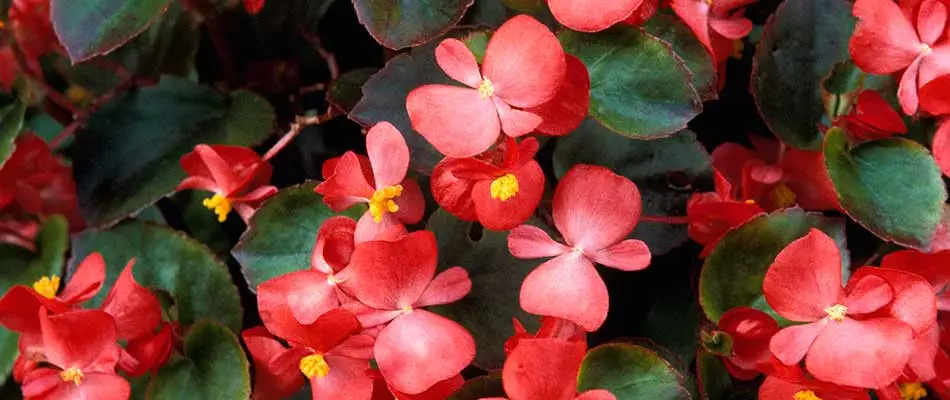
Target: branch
{"type": "Point", "coordinates": [301, 122]}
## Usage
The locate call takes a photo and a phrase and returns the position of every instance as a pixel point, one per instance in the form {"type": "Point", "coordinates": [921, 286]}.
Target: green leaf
{"type": "Point", "coordinates": [667, 171]}
{"type": "Point", "coordinates": [166, 260]}
{"type": "Point", "coordinates": [93, 27]}
{"type": "Point", "coordinates": [639, 86]}
{"type": "Point", "coordinates": [790, 64]}
{"type": "Point", "coordinates": [281, 234]}
{"type": "Point", "coordinates": [733, 273]}
{"type": "Point", "coordinates": [11, 122]}
{"type": "Point", "coordinates": [285, 16]}
{"type": "Point", "coordinates": [630, 372]}
{"type": "Point", "coordinates": [892, 187]}
{"type": "Point", "coordinates": [346, 91]}
{"type": "Point", "coordinates": [496, 285]}
{"type": "Point", "coordinates": [169, 46]}
{"type": "Point", "coordinates": [214, 368]}
{"type": "Point", "coordinates": [714, 381]}
{"type": "Point", "coordinates": [482, 387]}
{"type": "Point", "coordinates": [127, 155]}
{"type": "Point", "coordinates": [685, 44]}
{"type": "Point", "coordinates": [404, 23]}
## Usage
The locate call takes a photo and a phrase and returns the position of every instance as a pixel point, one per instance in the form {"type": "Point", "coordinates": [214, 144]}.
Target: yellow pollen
{"type": "Point", "coordinates": [220, 204]}
{"type": "Point", "coordinates": [837, 312]}
{"type": "Point", "coordinates": [2, 25]}
{"type": "Point", "coordinates": [504, 187]}
{"type": "Point", "coordinates": [73, 375]}
{"type": "Point", "coordinates": [407, 308]}
{"type": "Point", "coordinates": [47, 286]}
{"type": "Point", "coordinates": [382, 201]}
{"type": "Point", "coordinates": [486, 89]}
{"type": "Point", "coordinates": [331, 280]}
{"type": "Point", "coordinates": [78, 94]}
{"type": "Point", "coordinates": [806, 395]}
{"type": "Point", "coordinates": [314, 365]}
{"type": "Point", "coordinates": [738, 46]}
{"type": "Point", "coordinates": [750, 201]}
{"type": "Point", "coordinates": [925, 49]}
{"type": "Point", "coordinates": [782, 196]}
{"type": "Point", "coordinates": [912, 391]}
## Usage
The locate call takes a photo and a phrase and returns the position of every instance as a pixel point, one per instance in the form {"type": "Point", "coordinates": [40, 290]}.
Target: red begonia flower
{"type": "Point", "coordinates": [327, 352]}
{"type": "Point", "coordinates": [872, 118]}
{"type": "Point", "coordinates": [932, 267]}
{"type": "Point", "coordinates": [151, 351]}
{"type": "Point", "coordinates": [551, 327]}
{"type": "Point", "coordinates": [591, 15]}
{"type": "Point", "coordinates": [713, 214]}
{"type": "Point", "coordinates": [547, 368]}
{"type": "Point", "coordinates": [379, 180]}
{"type": "Point", "coordinates": [440, 391]}
{"type": "Point", "coordinates": [750, 330]}
{"type": "Point", "coordinates": [643, 13]}
{"type": "Point", "coordinates": [253, 6]}
{"type": "Point", "coordinates": [873, 319]}
{"type": "Point", "coordinates": [776, 388]}
{"type": "Point", "coordinates": [887, 40]}
{"type": "Point", "coordinates": [136, 310]}
{"type": "Point", "coordinates": [933, 96]}
{"type": "Point", "coordinates": [417, 349]}
{"type": "Point", "coordinates": [566, 111]}
{"type": "Point", "coordinates": [236, 175]}
{"type": "Point", "coordinates": [500, 197]}
{"type": "Point", "coordinates": [81, 348]}
{"type": "Point", "coordinates": [941, 147]}
{"type": "Point", "coordinates": [716, 23]}
{"type": "Point", "coordinates": [524, 67]}
{"type": "Point", "coordinates": [594, 210]}
{"type": "Point", "coordinates": [29, 23]}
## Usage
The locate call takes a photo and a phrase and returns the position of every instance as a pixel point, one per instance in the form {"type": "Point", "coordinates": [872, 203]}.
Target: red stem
{"type": "Point", "coordinates": [295, 128]}
{"type": "Point", "coordinates": [664, 219]}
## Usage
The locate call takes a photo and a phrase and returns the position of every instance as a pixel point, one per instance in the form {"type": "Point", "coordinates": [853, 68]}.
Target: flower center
{"type": "Point", "coordinates": [220, 205]}
{"type": "Point", "coordinates": [486, 89]}
{"type": "Point", "coordinates": [925, 49]}
{"type": "Point", "coordinates": [504, 187]}
{"type": "Point", "coordinates": [73, 375]}
{"type": "Point", "coordinates": [47, 286]}
{"type": "Point", "coordinates": [912, 391]}
{"type": "Point", "coordinates": [314, 365]}
{"type": "Point", "coordinates": [806, 395]}
{"type": "Point", "coordinates": [782, 196]}
{"type": "Point", "coordinates": [331, 280]}
{"type": "Point", "coordinates": [837, 312]}
{"type": "Point", "coordinates": [382, 201]}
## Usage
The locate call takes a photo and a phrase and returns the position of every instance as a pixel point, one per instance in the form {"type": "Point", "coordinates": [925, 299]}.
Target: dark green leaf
{"type": "Point", "coordinates": [790, 63]}
{"type": "Point", "coordinates": [290, 16]}
{"type": "Point", "coordinates": [169, 46]}
{"type": "Point", "coordinates": [281, 234]}
{"type": "Point", "coordinates": [892, 187]}
{"type": "Point", "coordinates": [630, 372]}
{"type": "Point", "coordinates": [403, 23]}
{"type": "Point", "coordinates": [667, 171]}
{"type": "Point", "coordinates": [732, 274]}
{"type": "Point", "coordinates": [714, 381]}
{"type": "Point", "coordinates": [11, 122]}
{"type": "Point", "coordinates": [496, 285]}
{"type": "Point", "coordinates": [92, 27]}
{"type": "Point", "coordinates": [166, 260]}
{"type": "Point", "coordinates": [639, 86]}
{"type": "Point", "coordinates": [126, 157]}
{"type": "Point", "coordinates": [345, 92]}
{"type": "Point", "coordinates": [685, 44]}
{"type": "Point", "coordinates": [480, 388]}
{"type": "Point", "coordinates": [214, 368]}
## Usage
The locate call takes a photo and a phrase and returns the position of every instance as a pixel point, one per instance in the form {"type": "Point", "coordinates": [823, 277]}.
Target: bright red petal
{"type": "Point", "coordinates": [289, 301]}
{"type": "Point", "coordinates": [907, 89]}
{"type": "Point", "coordinates": [334, 246]}
{"type": "Point", "coordinates": [790, 344]}
{"type": "Point", "coordinates": [751, 330]}
{"type": "Point", "coordinates": [457, 121]}
{"type": "Point", "coordinates": [931, 20]}
{"type": "Point", "coordinates": [439, 391]}
{"type": "Point", "coordinates": [524, 62]}
{"type": "Point", "coordinates": [941, 147]}
{"type": "Point", "coordinates": [369, 229]}
{"type": "Point", "coordinates": [348, 379]}
{"type": "Point", "coordinates": [805, 278]}
{"type": "Point", "coordinates": [19, 308]}
{"type": "Point", "coordinates": [447, 287]}
{"type": "Point", "coordinates": [543, 369]}
{"type": "Point", "coordinates": [221, 171]}
{"type": "Point", "coordinates": [933, 98]}
{"type": "Point", "coordinates": [412, 204]}
{"type": "Point", "coordinates": [565, 112]}
{"type": "Point", "coordinates": [453, 193]}
{"type": "Point", "coordinates": [867, 294]}
{"type": "Point", "coordinates": [347, 182]}
{"type": "Point", "coordinates": [914, 301]}
{"type": "Point", "coordinates": [628, 255]}
{"type": "Point", "coordinates": [136, 310]}
{"type": "Point", "coordinates": [392, 275]}
{"type": "Point", "coordinates": [388, 154]}
{"type": "Point", "coordinates": [97, 386]}
{"type": "Point", "coordinates": [924, 354]}
{"type": "Point", "coordinates": [458, 62]}
{"type": "Point", "coordinates": [868, 354]}
{"type": "Point", "coordinates": [731, 28]}
{"type": "Point", "coordinates": [528, 241]}
{"type": "Point", "coordinates": [253, 6]}
{"type": "Point", "coordinates": [65, 347]}
{"type": "Point", "coordinates": [419, 349]}
{"type": "Point", "coordinates": [586, 211]}
{"type": "Point", "coordinates": [514, 122]}
{"type": "Point", "coordinates": [498, 215]}
{"type": "Point", "coordinates": [931, 267]}
{"type": "Point", "coordinates": [596, 394]}
{"type": "Point", "coordinates": [884, 41]}
{"type": "Point", "coordinates": [267, 383]}
{"type": "Point", "coordinates": [695, 13]}
{"type": "Point", "coordinates": [591, 15]}
{"type": "Point", "coordinates": [567, 287]}
{"type": "Point", "coordinates": [86, 281]}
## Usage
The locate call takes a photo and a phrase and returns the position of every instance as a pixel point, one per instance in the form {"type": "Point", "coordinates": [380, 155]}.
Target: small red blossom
{"type": "Point", "coordinates": [151, 351]}
{"type": "Point", "coordinates": [395, 279]}
{"type": "Point", "coordinates": [941, 147]}
{"type": "Point", "coordinates": [592, 16]}
{"type": "Point", "coordinates": [932, 267]}
{"type": "Point", "coordinates": [29, 23]}
{"type": "Point", "coordinates": [751, 331]}
{"type": "Point", "coordinates": [551, 327]}
{"type": "Point", "coordinates": [891, 38]}
{"type": "Point", "coordinates": [594, 210]}
{"type": "Point", "coordinates": [378, 180]}
{"type": "Point", "coordinates": [524, 68]}
{"type": "Point", "coordinates": [236, 175]}
{"type": "Point", "coordinates": [716, 23]}
{"type": "Point", "coordinates": [872, 118]}
{"type": "Point", "coordinates": [80, 348]}
{"type": "Point", "coordinates": [713, 214]}
{"type": "Point", "coordinates": [253, 6]}
{"type": "Point", "coordinates": [875, 318]}
{"type": "Point", "coordinates": [500, 197]}
{"type": "Point", "coordinates": [547, 368]}
{"type": "Point", "coordinates": [803, 388]}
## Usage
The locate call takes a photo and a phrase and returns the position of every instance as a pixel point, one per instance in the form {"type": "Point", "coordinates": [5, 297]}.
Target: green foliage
{"type": "Point", "coordinates": [402, 23]}
{"type": "Point", "coordinates": [630, 372]}
{"type": "Point", "coordinates": [213, 368]}
{"type": "Point", "coordinates": [94, 27]}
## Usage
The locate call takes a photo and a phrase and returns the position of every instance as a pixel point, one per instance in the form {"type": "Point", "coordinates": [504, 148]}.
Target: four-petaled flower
{"type": "Point", "coordinates": [716, 23]}
{"type": "Point", "coordinates": [236, 175]}
{"type": "Point", "coordinates": [547, 368]}
{"type": "Point", "coordinates": [750, 331]}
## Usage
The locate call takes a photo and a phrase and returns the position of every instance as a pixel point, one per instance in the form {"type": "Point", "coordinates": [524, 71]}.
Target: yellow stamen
{"type": "Point", "coordinates": [73, 375]}
{"type": "Point", "coordinates": [738, 46]}
{"type": "Point", "coordinates": [407, 308]}
{"type": "Point", "coordinates": [78, 94]}
{"type": "Point", "coordinates": [750, 201]}
{"type": "Point", "coordinates": [314, 365]}
{"type": "Point", "coordinates": [837, 312]}
{"type": "Point", "coordinates": [806, 395]}
{"type": "Point", "coordinates": [47, 286]}
{"type": "Point", "coordinates": [2, 25]}
{"type": "Point", "coordinates": [382, 201]}
{"type": "Point", "coordinates": [486, 89]}
{"type": "Point", "coordinates": [782, 196]}
{"type": "Point", "coordinates": [504, 187]}
{"type": "Point", "coordinates": [220, 205]}
{"type": "Point", "coordinates": [912, 391]}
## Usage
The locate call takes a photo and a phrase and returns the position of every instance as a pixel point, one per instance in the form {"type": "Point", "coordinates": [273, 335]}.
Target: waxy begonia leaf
{"type": "Point", "coordinates": [127, 155]}
{"type": "Point", "coordinates": [790, 63]}
{"type": "Point", "coordinates": [346, 91]}
{"type": "Point", "coordinates": [286, 16]}
{"type": "Point", "coordinates": [639, 86]}
{"type": "Point", "coordinates": [168, 46]}
{"type": "Point", "coordinates": [685, 44]}
{"type": "Point", "coordinates": [23, 267]}
{"type": "Point", "coordinates": [890, 186]}
{"type": "Point", "coordinates": [496, 277]}
{"type": "Point", "coordinates": [281, 234]}
{"type": "Point", "coordinates": [11, 122]}
{"type": "Point", "coordinates": [712, 377]}
{"type": "Point", "coordinates": [733, 273]}
{"type": "Point", "coordinates": [479, 388]}
{"type": "Point", "coordinates": [93, 27]}
{"type": "Point", "coordinates": [667, 171]}
{"type": "Point", "coordinates": [630, 372]}
{"type": "Point", "coordinates": [214, 367]}
{"type": "Point", "coordinates": [165, 260]}
{"type": "Point", "coordinates": [403, 23]}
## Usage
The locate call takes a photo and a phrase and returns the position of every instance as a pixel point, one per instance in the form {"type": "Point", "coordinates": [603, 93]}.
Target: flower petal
{"type": "Point", "coordinates": [98, 386]}
{"type": "Point", "coordinates": [695, 13]}
{"type": "Point", "coordinates": [347, 379]}
{"type": "Point", "coordinates": [867, 294]}
{"type": "Point", "coordinates": [388, 154]}
{"type": "Point", "coordinates": [933, 98]}
{"type": "Point", "coordinates": [869, 353]}
{"type": "Point", "coordinates": [628, 255]}
{"type": "Point", "coordinates": [290, 301]}
{"type": "Point", "coordinates": [86, 281]}
{"type": "Point", "coordinates": [334, 245]}
{"type": "Point", "coordinates": [543, 369]}
{"type": "Point", "coordinates": [458, 62]}
{"type": "Point", "coordinates": [524, 62]}
{"type": "Point", "coordinates": [514, 122]}
{"type": "Point", "coordinates": [907, 89]}
{"type": "Point", "coordinates": [924, 354]}
{"type": "Point", "coordinates": [368, 229]}
{"type": "Point", "coordinates": [454, 194]}
{"type": "Point", "coordinates": [529, 241]}
{"type": "Point", "coordinates": [268, 384]}
{"type": "Point", "coordinates": [596, 394]}
{"type": "Point", "coordinates": [65, 348]}
{"type": "Point", "coordinates": [941, 146]}
{"type": "Point", "coordinates": [457, 121]}
{"type": "Point", "coordinates": [591, 15]}
{"type": "Point", "coordinates": [731, 28]}
{"type": "Point", "coordinates": [447, 287]}
{"type": "Point", "coordinates": [220, 169]}
{"type": "Point", "coordinates": [567, 287]}
{"type": "Point", "coordinates": [750, 330]}
{"type": "Point", "coordinates": [19, 308]}
{"type": "Point", "coordinates": [497, 215]}
{"type": "Point", "coordinates": [347, 182]}
{"type": "Point", "coordinates": [135, 309]}
{"type": "Point", "coordinates": [586, 208]}
{"type": "Point", "coordinates": [565, 112]}
{"type": "Point", "coordinates": [805, 278]}
{"type": "Point", "coordinates": [884, 41]}
{"type": "Point", "coordinates": [412, 203]}
{"type": "Point", "coordinates": [914, 301]}
{"type": "Point", "coordinates": [931, 20]}
{"type": "Point", "coordinates": [790, 344]}
{"type": "Point", "coordinates": [392, 275]}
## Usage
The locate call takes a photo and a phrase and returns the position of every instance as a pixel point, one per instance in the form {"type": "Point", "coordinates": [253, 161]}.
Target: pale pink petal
{"type": "Point", "coordinates": [524, 62]}
{"type": "Point", "coordinates": [869, 353]}
{"type": "Point", "coordinates": [458, 122]}
{"type": "Point", "coordinates": [594, 207]}
{"type": "Point", "coordinates": [528, 241]}
{"type": "Point", "coordinates": [567, 287]}
{"type": "Point", "coordinates": [791, 344]}
{"type": "Point", "coordinates": [447, 287]}
{"type": "Point", "coordinates": [458, 62]}
{"type": "Point", "coordinates": [628, 255]}
{"type": "Point", "coordinates": [388, 154]}
{"type": "Point", "coordinates": [516, 123]}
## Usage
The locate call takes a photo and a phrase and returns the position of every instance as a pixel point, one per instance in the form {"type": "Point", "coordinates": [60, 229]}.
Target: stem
{"type": "Point", "coordinates": [51, 93]}
{"type": "Point", "coordinates": [662, 219]}
{"type": "Point", "coordinates": [295, 128]}
{"type": "Point", "coordinates": [65, 134]}
{"type": "Point", "coordinates": [327, 56]}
